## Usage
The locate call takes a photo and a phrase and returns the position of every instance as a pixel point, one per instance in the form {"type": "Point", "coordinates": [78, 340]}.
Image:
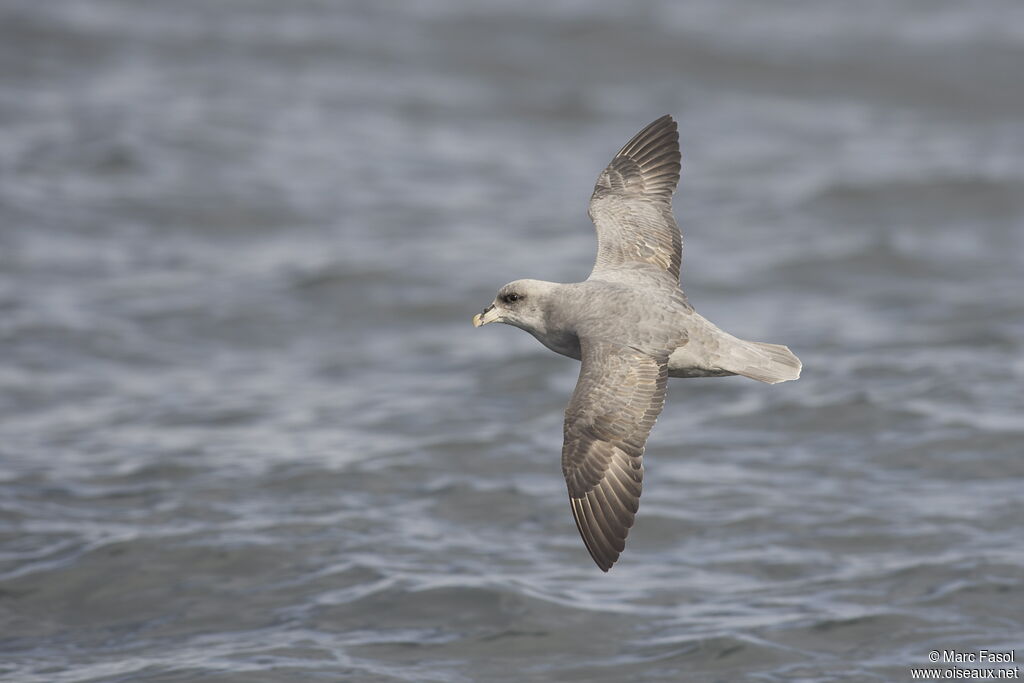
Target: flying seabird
{"type": "Point", "coordinates": [633, 328]}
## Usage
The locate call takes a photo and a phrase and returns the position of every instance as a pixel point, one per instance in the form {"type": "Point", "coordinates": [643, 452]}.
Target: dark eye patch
{"type": "Point", "coordinates": [512, 297]}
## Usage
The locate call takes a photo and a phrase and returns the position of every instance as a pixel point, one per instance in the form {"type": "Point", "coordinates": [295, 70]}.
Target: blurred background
{"type": "Point", "coordinates": [248, 433]}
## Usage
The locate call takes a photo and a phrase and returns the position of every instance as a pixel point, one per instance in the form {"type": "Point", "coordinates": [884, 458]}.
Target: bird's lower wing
{"type": "Point", "coordinates": [618, 397]}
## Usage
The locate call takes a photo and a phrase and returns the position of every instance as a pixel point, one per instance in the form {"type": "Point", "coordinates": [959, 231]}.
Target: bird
{"type": "Point", "coordinates": [632, 328]}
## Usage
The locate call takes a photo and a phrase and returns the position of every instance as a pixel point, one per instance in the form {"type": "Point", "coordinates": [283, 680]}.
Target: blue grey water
{"type": "Point", "coordinates": [248, 433]}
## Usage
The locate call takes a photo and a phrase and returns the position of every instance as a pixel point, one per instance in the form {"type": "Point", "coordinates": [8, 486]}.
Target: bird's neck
{"type": "Point", "coordinates": [554, 330]}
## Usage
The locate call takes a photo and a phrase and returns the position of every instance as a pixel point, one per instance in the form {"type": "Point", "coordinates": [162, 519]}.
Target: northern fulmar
{"type": "Point", "coordinates": [633, 328]}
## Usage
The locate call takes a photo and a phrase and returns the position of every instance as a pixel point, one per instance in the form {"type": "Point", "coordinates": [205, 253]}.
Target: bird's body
{"type": "Point", "coordinates": [612, 310]}
{"type": "Point", "coordinates": [632, 327]}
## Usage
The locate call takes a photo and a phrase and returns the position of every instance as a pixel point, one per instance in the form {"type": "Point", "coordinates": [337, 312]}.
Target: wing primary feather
{"type": "Point", "coordinates": [585, 532]}
{"type": "Point", "coordinates": [612, 535]}
{"type": "Point", "coordinates": [603, 551]}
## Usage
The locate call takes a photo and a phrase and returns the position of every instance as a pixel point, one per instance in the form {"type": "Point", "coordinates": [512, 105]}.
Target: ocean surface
{"type": "Point", "coordinates": [248, 433]}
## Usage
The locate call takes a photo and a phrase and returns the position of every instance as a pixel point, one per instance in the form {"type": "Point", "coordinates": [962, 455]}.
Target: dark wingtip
{"type": "Point", "coordinates": [655, 150]}
{"type": "Point", "coordinates": [603, 554]}
{"type": "Point", "coordinates": [663, 129]}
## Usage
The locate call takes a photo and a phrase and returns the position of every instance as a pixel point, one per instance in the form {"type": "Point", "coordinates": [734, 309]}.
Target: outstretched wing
{"type": "Point", "coordinates": [619, 395]}
{"type": "Point", "coordinates": [632, 202]}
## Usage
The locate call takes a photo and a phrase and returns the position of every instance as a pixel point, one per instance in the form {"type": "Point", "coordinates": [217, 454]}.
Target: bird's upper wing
{"type": "Point", "coordinates": [632, 202]}
{"type": "Point", "coordinates": [618, 397]}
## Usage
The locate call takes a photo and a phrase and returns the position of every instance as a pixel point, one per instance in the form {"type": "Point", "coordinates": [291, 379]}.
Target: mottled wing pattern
{"type": "Point", "coordinates": [618, 397]}
{"type": "Point", "coordinates": [632, 202]}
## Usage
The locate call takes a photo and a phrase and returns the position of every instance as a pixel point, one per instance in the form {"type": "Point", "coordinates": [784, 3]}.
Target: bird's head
{"type": "Point", "coordinates": [521, 303]}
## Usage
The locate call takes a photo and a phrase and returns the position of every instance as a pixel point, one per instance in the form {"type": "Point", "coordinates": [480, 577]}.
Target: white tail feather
{"type": "Point", "coordinates": [771, 363]}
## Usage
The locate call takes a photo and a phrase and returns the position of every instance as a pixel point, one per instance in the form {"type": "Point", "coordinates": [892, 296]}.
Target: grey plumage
{"type": "Point", "coordinates": [618, 397]}
{"type": "Point", "coordinates": [632, 203]}
{"type": "Point", "coordinates": [633, 328]}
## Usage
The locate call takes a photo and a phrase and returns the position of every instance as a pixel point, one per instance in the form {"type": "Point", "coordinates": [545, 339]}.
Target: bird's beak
{"type": "Point", "coordinates": [488, 316]}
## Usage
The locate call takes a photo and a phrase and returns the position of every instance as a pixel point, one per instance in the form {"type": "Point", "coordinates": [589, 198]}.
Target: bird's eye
{"type": "Point", "coordinates": [511, 298]}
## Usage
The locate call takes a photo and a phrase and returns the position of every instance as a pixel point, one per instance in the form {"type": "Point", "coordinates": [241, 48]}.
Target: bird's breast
{"type": "Point", "coordinates": [560, 341]}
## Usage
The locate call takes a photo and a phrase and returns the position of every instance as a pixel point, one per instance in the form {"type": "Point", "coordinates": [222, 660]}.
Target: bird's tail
{"type": "Point", "coordinates": [771, 363]}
